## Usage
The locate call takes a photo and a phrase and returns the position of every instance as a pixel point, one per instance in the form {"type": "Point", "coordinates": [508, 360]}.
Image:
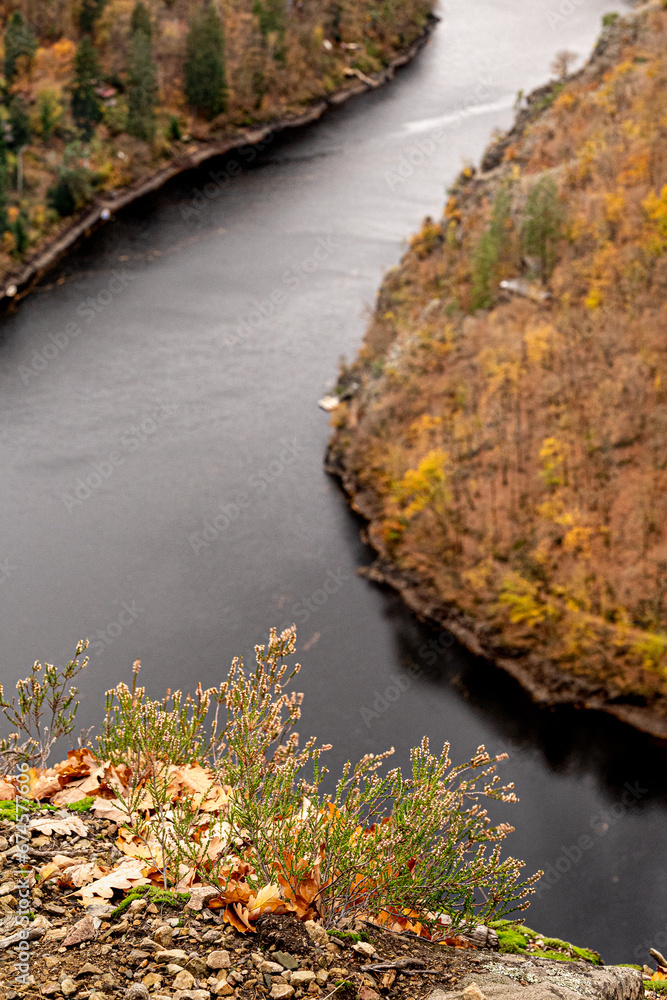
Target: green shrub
{"type": "Point", "coordinates": [543, 225]}
{"type": "Point", "coordinates": [489, 251]}
{"type": "Point", "coordinates": [427, 844]}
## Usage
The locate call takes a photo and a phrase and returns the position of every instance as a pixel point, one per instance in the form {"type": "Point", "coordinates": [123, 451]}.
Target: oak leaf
{"type": "Point", "coordinates": [59, 826]}
{"type": "Point", "coordinates": [127, 875]}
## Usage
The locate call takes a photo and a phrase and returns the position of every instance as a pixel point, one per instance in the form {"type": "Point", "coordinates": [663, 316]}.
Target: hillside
{"type": "Point", "coordinates": [507, 444]}
{"type": "Point", "coordinates": [98, 95]}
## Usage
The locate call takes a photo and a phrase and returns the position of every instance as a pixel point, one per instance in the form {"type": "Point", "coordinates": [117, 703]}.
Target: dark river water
{"type": "Point", "coordinates": [163, 490]}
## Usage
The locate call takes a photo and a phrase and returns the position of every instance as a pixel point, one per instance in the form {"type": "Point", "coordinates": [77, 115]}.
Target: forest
{"type": "Point", "coordinates": [503, 427]}
{"type": "Point", "coordinates": [98, 94]}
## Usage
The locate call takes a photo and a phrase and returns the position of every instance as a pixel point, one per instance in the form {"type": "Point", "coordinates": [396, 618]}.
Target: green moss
{"type": "Point", "coordinates": [628, 965]}
{"type": "Point", "coordinates": [159, 897]}
{"type": "Point", "coordinates": [587, 955]}
{"type": "Point", "coordinates": [351, 936]}
{"type": "Point", "coordinates": [83, 805]}
{"type": "Point", "coordinates": [514, 938]}
{"type": "Point", "coordinates": [8, 809]}
{"type": "Point", "coordinates": [656, 985]}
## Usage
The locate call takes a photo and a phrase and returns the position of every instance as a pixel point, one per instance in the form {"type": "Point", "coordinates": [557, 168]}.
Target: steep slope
{"type": "Point", "coordinates": [508, 444]}
{"type": "Point", "coordinates": [99, 95]}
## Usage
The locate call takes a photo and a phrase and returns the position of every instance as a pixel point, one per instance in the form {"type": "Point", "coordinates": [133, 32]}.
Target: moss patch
{"type": "Point", "coordinates": [158, 896]}
{"type": "Point", "coordinates": [516, 939]}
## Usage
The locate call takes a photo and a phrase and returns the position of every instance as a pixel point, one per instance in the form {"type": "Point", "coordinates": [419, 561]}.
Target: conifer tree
{"type": "Point", "coordinates": [205, 83]}
{"type": "Point", "coordinates": [19, 121]}
{"type": "Point", "coordinates": [3, 184]}
{"type": "Point", "coordinates": [142, 83]}
{"type": "Point", "coordinates": [19, 41]}
{"type": "Point", "coordinates": [543, 225]}
{"type": "Point", "coordinates": [271, 16]}
{"type": "Point", "coordinates": [89, 12]}
{"type": "Point", "coordinates": [86, 108]}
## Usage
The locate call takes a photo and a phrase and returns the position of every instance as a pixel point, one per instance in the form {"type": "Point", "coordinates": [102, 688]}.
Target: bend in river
{"type": "Point", "coordinates": [164, 491]}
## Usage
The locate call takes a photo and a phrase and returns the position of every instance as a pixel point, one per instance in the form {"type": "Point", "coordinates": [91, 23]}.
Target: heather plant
{"type": "Point", "coordinates": [215, 788]}
{"type": "Point", "coordinates": [378, 844]}
{"type": "Point", "coordinates": [42, 711]}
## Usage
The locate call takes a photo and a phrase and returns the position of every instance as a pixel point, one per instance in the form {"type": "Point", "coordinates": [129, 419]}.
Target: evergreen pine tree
{"type": "Point", "coordinates": [19, 121]}
{"type": "Point", "coordinates": [271, 16]}
{"type": "Point", "coordinates": [205, 84]}
{"type": "Point", "coordinates": [4, 184]}
{"type": "Point", "coordinates": [19, 41]}
{"type": "Point", "coordinates": [142, 89]}
{"type": "Point", "coordinates": [141, 19]}
{"type": "Point", "coordinates": [89, 12]}
{"type": "Point", "coordinates": [543, 225]}
{"type": "Point", "coordinates": [86, 108]}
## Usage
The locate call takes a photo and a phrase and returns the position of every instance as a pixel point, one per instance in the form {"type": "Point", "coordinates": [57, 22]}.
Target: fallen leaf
{"type": "Point", "coordinates": [107, 809]}
{"type": "Point", "coordinates": [76, 876]}
{"type": "Point", "coordinates": [45, 785]}
{"type": "Point", "coordinates": [126, 876]}
{"type": "Point", "coordinates": [269, 898]}
{"type": "Point", "coordinates": [61, 827]}
{"type": "Point", "coordinates": [7, 790]}
{"type": "Point", "coordinates": [59, 863]}
{"type": "Point", "coordinates": [66, 796]}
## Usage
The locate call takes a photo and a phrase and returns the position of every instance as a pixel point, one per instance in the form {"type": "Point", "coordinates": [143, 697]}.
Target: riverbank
{"type": "Point", "coordinates": [19, 281]}
{"type": "Point", "coordinates": [505, 484]}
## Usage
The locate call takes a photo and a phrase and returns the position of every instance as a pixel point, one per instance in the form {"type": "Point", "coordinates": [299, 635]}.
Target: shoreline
{"type": "Point", "coordinates": [545, 684]}
{"type": "Point", "coordinates": [20, 282]}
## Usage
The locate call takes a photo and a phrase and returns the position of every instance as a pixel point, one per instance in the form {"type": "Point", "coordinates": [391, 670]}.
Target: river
{"type": "Point", "coordinates": [163, 488]}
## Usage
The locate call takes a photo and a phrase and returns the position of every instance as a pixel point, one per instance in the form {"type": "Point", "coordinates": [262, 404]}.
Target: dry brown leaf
{"type": "Point", "coordinates": [61, 827]}
{"type": "Point", "coordinates": [126, 876]}
{"type": "Point", "coordinates": [7, 790]}
{"type": "Point", "coordinates": [76, 876]}
{"type": "Point", "coordinates": [59, 863]}
{"type": "Point", "coordinates": [267, 899]}
{"type": "Point", "coordinates": [135, 847]}
{"type": "Point", "coordinates": [67, 795]}
{"type": "Point", "coordinates": [48, 871]}
{"type": "Point", "coordinates": [107, 809]}
{"type": "Point", "coordinates": [46, 784]}
{"type": "Point", "coordinates": [216, 800]}
{"type": "Point", "coordinates": [187, 877]}
{"type": "Point", "coordinates": [237, 916]}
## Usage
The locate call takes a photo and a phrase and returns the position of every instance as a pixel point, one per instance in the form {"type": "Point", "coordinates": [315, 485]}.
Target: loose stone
{"type": "Point", "coordinates": [183, 981]}
{"type": "Point", "coordinates": [218, 960]}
